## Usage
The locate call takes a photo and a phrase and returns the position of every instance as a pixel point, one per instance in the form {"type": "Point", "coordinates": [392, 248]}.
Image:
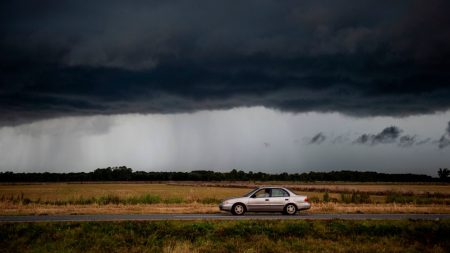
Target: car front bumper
{"type": "Point", "coordinates": [225, 207]}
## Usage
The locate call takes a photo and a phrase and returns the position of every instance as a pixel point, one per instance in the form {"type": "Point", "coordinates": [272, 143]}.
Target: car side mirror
{"type": "Point", "coordinates": [253, 196]}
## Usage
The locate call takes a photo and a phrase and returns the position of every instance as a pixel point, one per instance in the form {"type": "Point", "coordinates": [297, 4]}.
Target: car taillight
{"type": "Point", "coordinates": [306, 199]}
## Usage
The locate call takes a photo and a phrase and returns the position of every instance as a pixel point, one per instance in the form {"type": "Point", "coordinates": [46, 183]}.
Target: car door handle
{"type": "Point", "coordinates": [286, 199]}
{"type": "Point", "coordinates": [267, 199]}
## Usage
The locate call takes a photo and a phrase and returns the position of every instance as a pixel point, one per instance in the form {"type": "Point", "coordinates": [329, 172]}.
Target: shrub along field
{"type": "Point", "coordinates": [227, 236]}
{"type": "Point", "coordinates": [77, 198]}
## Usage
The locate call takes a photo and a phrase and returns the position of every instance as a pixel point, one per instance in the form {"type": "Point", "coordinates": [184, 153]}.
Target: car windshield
{"type": "Point", "coordinates": [251, 192]}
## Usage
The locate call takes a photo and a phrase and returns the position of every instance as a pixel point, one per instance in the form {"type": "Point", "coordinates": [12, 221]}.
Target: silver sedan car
{"type": "Point", "coordinates": [266, 199]}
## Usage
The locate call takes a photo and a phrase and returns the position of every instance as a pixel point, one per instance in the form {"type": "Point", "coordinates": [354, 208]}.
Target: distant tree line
{"type": "Point", "coordinates": [444, 174]}
{"type": "Point", "coordinates": [124, 173]}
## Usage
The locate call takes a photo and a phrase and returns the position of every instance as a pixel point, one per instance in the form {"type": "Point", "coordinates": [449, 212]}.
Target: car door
{"type": "Point", "coordinates": [259, 201]}
{"type": "Point", "coordinates": [278, 199]}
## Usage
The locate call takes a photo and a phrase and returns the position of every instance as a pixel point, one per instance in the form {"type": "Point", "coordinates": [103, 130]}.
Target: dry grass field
{"type": "Point", "coordinates": [77, 198]}
{"type": "Point", "coordinates": [42, 209]}
{"type": "Point", "coordinates": [37, 209]}
{"type": "Point", "coordinates": [414, 188]}
{"type": "Point", "coordinates": [66, 191]}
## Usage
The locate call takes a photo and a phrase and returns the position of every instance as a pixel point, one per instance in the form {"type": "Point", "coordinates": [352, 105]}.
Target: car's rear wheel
{"type": "Point", "coordinates": [238, 209]}
{"type": "Point", "coordinates": [290, 209]}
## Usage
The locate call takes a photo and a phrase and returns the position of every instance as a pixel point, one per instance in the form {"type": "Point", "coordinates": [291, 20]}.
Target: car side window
{"type": "Point", "coordinates": [279, 193]}
{"type": "Point", "coordinates": [263, 193]}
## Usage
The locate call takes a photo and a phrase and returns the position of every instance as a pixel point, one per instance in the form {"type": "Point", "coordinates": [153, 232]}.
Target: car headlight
{"type": "Point", "coordinates": [226, 202]}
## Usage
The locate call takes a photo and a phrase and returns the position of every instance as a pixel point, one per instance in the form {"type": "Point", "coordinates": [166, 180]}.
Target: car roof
{"type": "Point", "coordinates": [274, 187]}
{"type": "Point", "coordinates": [267, 187]}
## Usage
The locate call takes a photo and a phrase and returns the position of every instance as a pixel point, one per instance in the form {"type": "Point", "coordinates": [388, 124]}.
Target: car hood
{"type": "Point", "coordinates": [236, 199]}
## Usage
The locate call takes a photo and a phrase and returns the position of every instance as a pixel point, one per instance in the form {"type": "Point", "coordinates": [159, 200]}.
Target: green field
{"type": "Point", "coordinates": [228, 236]}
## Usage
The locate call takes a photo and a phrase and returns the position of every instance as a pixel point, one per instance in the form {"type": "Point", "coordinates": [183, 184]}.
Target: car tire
{"type": "Point", "coordinates": [290, 209]}
{"type": "Point", "coordinates": [238, 209]}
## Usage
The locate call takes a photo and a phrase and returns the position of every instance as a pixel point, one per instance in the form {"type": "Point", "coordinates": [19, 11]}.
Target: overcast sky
{"type": "Point", "coordinates": [259, 85]}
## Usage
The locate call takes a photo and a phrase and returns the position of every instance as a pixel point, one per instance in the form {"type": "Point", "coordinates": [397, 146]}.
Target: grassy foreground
{"type": "Point", "coordinates": [227, 236]}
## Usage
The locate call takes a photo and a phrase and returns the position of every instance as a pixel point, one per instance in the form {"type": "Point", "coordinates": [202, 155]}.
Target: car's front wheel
{"type": "Point", "coordinates": [290, 209]}
{"type": "Point", "coordinates": [238, 209]}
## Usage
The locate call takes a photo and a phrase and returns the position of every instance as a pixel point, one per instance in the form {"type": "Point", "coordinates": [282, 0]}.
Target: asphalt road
{"type": "Point", "coordinates": [141, 217]}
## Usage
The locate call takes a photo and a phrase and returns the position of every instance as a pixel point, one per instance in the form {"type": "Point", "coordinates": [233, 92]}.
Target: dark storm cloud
{"type": "Point", "coordinates": [392, 134]}
{"type": "Point", "coordinates": [363, 58]}
{"type": "Point", "coordinates": [424, 141]}
{"type": "Point", "coordinates": [388, 135]}
{"type": "Point", "coordinates": [444, 141]}
{"type": "Point", "coordinates": [318, 139]}
{"type": "Point", "coordinates": [407, 141]}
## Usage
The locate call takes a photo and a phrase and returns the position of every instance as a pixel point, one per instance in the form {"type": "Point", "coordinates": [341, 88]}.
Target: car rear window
{"type": "Point", "coordinates": [279, 193]}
